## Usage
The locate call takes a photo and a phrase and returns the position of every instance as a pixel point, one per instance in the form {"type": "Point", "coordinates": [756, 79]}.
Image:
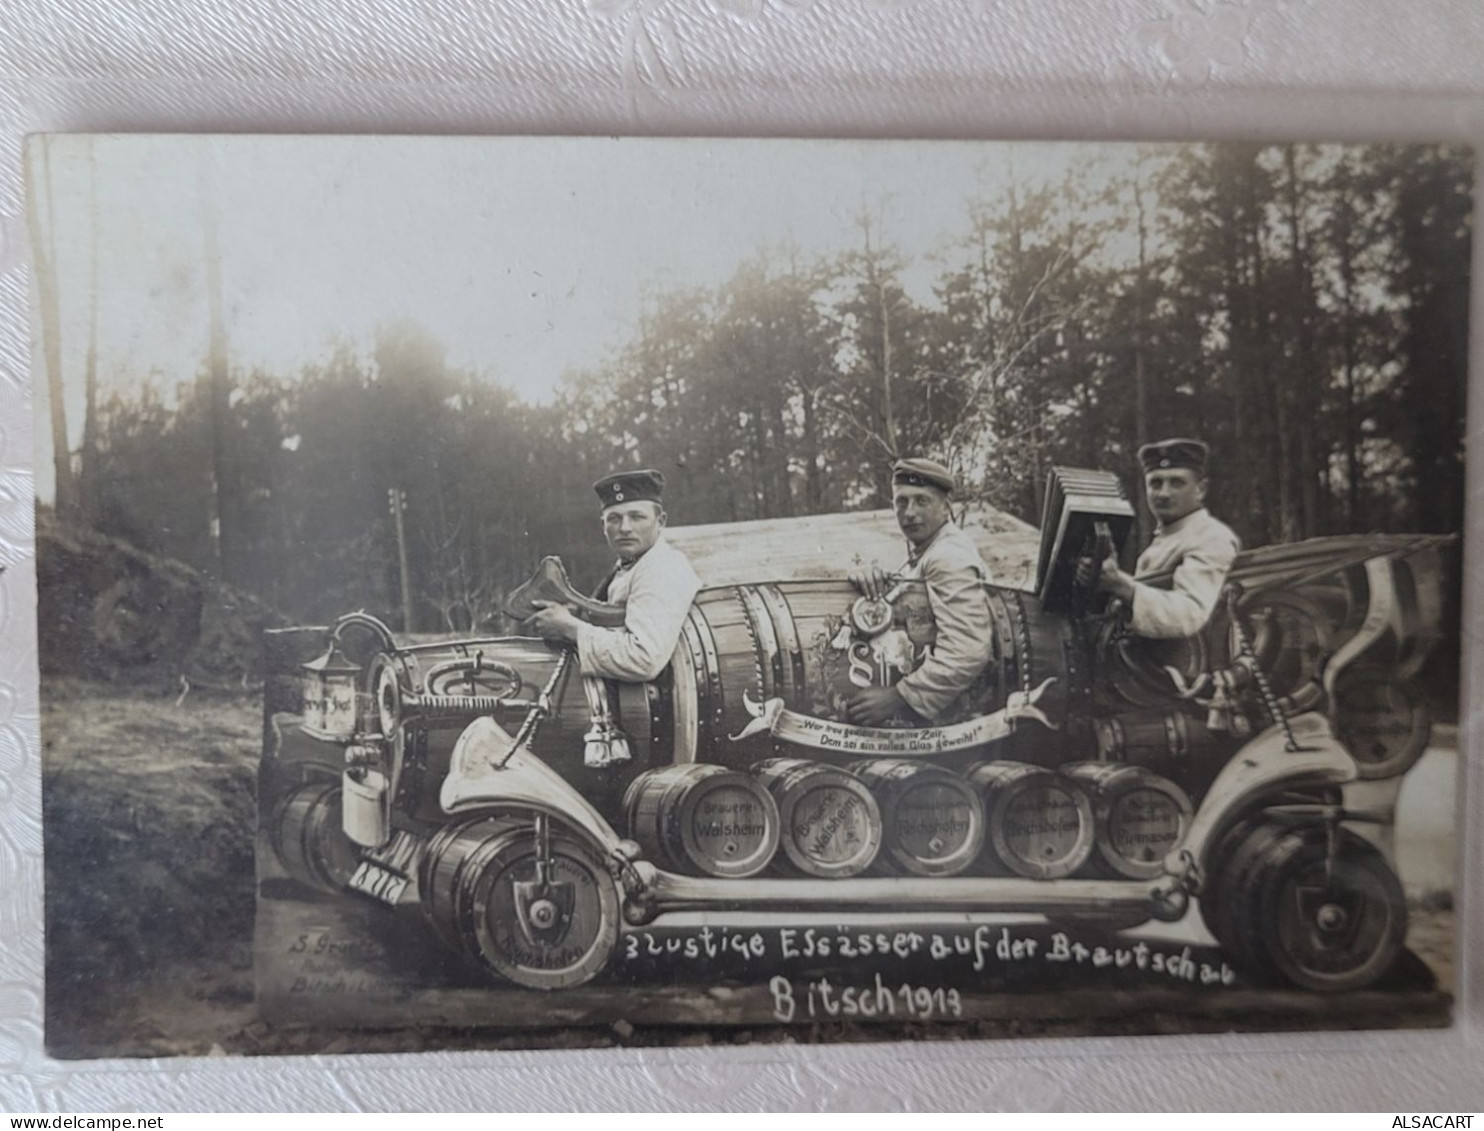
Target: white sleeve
{"type": "Point", "coordinates": [963, 643]}
{"type": "Point", "coordinates": [659, 598]}
{"type": "Point", "coordinates": [1184, 608]}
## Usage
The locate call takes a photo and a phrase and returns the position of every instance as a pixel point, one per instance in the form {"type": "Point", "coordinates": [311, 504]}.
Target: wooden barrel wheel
{"type": "Point", "coordinates": [1228, 901]}
{"type": "Point", "coordinates": [441, 870]}
{"type": "Point", "coordinates": [309, 837]}
{"type": "Point", "coordinates": [1213, 889]}
{"type": "Point", "coordinates": [1329, 924]}
{"type": "Point", "coordinates": [1283, 908]}
{"type": "Point", "coordinates": [485, 895]}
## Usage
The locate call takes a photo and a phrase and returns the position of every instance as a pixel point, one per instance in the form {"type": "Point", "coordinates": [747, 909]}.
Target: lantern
{"type": "Point", "coordinates": [330, 695]}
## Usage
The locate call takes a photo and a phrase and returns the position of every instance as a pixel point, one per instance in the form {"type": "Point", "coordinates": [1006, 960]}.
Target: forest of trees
{"type": "Point", "coordinates": [1303, 308]}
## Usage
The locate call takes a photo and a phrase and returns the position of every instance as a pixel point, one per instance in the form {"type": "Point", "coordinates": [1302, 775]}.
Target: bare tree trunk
{"type": "Point", "coordinates": [1242, 465]}
{"type": "Point", "coordinates": [760, 494]}
{"type": "Point", "coordinates": [1141, 332]}
{"type": "Point", "coordinates": [877, 285]}
{"type": "Point", "coordinates": [782, 488]}
{"type": "Point", "coordinates": [1277, 477]}
{"type": "Point", "coordinates": [1352, 413]}
{"type": "Point", "coordinates": [889, 413]}
{"type": "Point", "coordinates": [224, 517]}
{"type": "Point", "coordinates": [808, 382]}
{"type": "Point", "coordinates": [398, 500]}
{"type": "Point", "coordinates": [1344, 214]}
{"type": "Point", "coordinates": [89, 486]}
{"type": "Point", "coordinates": [876, 289]}
{"type": "Point", "coordinates": [51, 326]}
{"type": "Point", "coordinates": [1305, 372]}
{"type": "Point", "coordinates": [813, 476]}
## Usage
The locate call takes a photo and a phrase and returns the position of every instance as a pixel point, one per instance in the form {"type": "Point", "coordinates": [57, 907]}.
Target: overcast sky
{"type": "Point", "coordinates": [526, 257]}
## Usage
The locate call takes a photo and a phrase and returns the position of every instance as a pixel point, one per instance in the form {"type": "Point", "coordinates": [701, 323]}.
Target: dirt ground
{"type": "Point", "coordinates": [149, 808]}
{"type": "Point", "coordinates": [150, 812]}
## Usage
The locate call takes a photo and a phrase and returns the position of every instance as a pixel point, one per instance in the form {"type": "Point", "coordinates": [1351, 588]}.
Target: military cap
{"type": "Point", "coordinates": [922, 473]}
{"type": "Point", "coordinates": [1175, 453]}
{"type": "Point", "coordinates": [630, 486]}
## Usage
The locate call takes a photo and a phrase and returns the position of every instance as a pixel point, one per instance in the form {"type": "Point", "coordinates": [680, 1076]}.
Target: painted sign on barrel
{"type": "Point", "coordinates": [830, 823]}
{"type": "Point", "coordinates": [705, 819]}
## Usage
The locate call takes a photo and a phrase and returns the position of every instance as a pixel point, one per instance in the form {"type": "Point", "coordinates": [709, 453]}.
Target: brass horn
{"type": "Point", "coordinates": [550, 583]}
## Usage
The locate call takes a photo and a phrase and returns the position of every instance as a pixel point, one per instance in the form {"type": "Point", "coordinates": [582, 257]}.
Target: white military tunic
{"type": "Point", "coordinates": [658, 588]}
{"type": "Point", "coordinates": [1200, 550]}
{"type": "Point", "coordinates": [955, 576]}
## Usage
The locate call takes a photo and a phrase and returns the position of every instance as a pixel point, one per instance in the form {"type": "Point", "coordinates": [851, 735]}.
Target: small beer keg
{"type": "Point", "coordinates": [1039, 823]}
{"type": "Point", "coordinates": [703, 818]}
{"type": "Point", "coordinates": [1168, 742]}
{"type": "Point", "coordinates": [1139, 816]}
{"type": "Point", "coordinates": [830, 825]}
{"type": "Point", "coordinates": [932, 821]}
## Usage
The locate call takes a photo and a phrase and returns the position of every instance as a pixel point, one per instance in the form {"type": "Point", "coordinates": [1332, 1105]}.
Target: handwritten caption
{"type": "Point", "coordinates": [984, 948]}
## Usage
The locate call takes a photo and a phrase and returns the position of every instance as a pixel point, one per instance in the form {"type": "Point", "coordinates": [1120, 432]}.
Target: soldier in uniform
{"type": "Point", "coordinates": [943, 556]}
{"type": "Point", "coordinates": [653, 579]}
{"type": "Point", "coordinates": [1198, 548]}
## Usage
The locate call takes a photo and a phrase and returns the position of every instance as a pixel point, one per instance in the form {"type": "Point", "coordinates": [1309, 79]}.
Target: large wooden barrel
{"type": "Point", "coordinates": [1031, 648]}
{"type": "Point", "coordinates": [830, 824]}
{"type": "Point", "coordinates": [704, 819]}
{"type": "Point", "coordinates": [1039, 823]}
{"type": "Point", "coordinates": [309, 837]}
{"type": "Point", "coordinates": [1139, 815]}
{"type": "Point", "coordinates": [796, 641]}
{"type": "Point", "coordinates": [932, 820]}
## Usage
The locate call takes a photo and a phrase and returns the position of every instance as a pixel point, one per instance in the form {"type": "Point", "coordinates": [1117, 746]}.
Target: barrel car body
{"type": "Point", "coordinates": [1098, 779]}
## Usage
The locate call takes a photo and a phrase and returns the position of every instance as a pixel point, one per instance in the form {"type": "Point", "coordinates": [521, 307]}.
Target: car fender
{"type": "Point", "coordinates": [1263, 766]}
{"type": "Point", "coordinates": [487, 769]}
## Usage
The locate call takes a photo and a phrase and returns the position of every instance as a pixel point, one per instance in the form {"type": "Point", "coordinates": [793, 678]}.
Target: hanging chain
{"type": "Point", "coordinates": [542, 708]}
{"type": "Point", "coordinates": [1023, 632]}
{"type": "Point", "coordinates": [1265, 689]}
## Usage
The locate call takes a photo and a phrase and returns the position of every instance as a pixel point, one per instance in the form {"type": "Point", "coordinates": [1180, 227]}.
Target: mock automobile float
{"type": "Point", "coordinates": [1092, 777]}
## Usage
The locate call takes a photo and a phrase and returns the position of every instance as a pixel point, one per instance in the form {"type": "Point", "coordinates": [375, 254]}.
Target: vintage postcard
{"type": "Point", "coordinates": [555, 592]}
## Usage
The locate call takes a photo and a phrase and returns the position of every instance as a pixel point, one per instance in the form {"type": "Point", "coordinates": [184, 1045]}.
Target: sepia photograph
{"type": "Point", "coordinates": [564, 592]}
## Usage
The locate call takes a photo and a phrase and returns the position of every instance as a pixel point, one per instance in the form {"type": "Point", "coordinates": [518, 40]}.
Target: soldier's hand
{"type": "Point", "coordinates": [870, 580]}
{"type": "Point", "coordinates": [872, 706]}
{"type": "Point", "coordinates": [1085, 572]}
{"type": "Point", "coordinates": [553, 622]}
{"type": "Point", "coordinates": [1113, 580]}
